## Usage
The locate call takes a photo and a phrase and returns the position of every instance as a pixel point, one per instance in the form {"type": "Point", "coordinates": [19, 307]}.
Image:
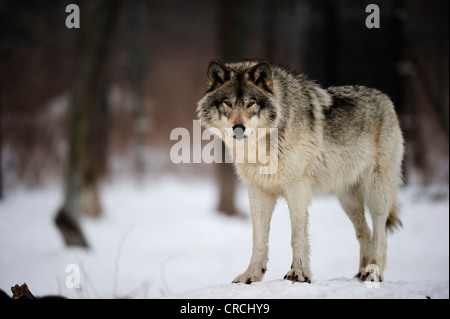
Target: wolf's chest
{"type": "Point", "coordinates": [269, 178]}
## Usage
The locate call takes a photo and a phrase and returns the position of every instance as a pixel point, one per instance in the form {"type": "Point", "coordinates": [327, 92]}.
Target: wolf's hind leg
{"type": "Point", "coordinates": [380, 194]}
{"type": "Point", "coordinates": [352, 201]}
{"type": "Point", "coordinates": [261, 209]}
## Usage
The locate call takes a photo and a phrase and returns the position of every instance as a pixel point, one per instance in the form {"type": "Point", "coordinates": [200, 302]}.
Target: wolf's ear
{"type": "Point", "coordinates": [261, 75]}
{"type": "Point", "coordinates": [217, 75]}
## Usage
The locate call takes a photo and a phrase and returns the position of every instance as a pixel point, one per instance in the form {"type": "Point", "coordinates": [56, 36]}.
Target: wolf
{"type": "Point", "coordinates": [341, 139]}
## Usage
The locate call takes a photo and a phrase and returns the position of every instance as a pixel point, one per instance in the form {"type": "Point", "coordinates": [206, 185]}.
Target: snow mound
{"type": "Point", "coordinates": [340, 288]}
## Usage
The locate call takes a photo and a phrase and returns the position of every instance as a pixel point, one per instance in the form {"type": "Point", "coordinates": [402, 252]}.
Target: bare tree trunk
{"type": "Point", "coordinates": [138, 27]}
{"type": "Point", "coordinates": [1, 137]}
{"type": "Point", "coordinates": [330, 41]}
{"type": "Point", "coordinates": [270, 29]}
{"type": "Point", "coordinates": [227, 185]}
{"type": "Point", "coordinates": [405, 105]}
{"type": "Point", "coordinates": [1, 147]}
{"type": "Point", "coordinates": [88, 110]}
{"type": "Point", "coordinates": [232, 34]}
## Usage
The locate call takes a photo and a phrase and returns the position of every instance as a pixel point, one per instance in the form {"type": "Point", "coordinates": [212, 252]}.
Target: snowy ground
{"type": "Point", "coordinates": [165, 239]}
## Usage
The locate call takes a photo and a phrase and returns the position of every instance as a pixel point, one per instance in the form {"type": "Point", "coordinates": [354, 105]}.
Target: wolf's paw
{"type": "Point", "coordinates": [370, 273]}
{"type": "Point", "coordinates": [361, 274]}
{"type": "Point", "coordinates": [250, 276]}
{"type": "Point", "coordinates": [299, 275]}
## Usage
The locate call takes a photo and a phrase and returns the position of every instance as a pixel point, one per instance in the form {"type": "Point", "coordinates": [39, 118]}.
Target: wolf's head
{"type": "Point", "coordinates": [240, 99]}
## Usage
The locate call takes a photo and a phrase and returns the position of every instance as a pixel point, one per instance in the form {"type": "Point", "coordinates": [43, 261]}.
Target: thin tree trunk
{"type": "Point", "coordinates": [138, 26]}
{"type": "Point", "coordinates": [1, 146]}
{"type": "Point", "coordinates": [232, 35]}
{"type": "Point", "coordinates": [270, 29]}
{"type": "Point", "coordinates": [227, 185]}
{"type": "Point", "coordinates": [87, 142]}
{"type": "Point", "coordinates": [405, 106]}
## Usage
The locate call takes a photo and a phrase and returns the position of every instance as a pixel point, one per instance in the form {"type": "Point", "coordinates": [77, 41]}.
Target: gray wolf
{"type": "Point", "coordinates": [343, 139]}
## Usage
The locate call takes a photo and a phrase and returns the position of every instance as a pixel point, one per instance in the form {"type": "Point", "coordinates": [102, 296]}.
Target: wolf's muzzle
{"type": "Point", "coordinates": [238, 132]}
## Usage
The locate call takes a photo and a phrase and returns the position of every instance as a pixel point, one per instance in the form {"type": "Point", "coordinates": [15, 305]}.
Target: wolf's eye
{"type": "Point", "coordinates": [228, 103]}
{"type": "Point", "coordinates": [250, 103]}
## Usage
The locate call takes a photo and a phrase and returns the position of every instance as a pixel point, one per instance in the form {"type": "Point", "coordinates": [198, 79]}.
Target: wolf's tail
{"type": "Point", "coordinates": [393, 222]}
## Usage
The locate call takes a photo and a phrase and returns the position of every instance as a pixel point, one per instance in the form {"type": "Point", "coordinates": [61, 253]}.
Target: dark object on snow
{"type": "Point", "coordinates": [22, 292]}
{"type": "Point", "coordinates": [70, 229]}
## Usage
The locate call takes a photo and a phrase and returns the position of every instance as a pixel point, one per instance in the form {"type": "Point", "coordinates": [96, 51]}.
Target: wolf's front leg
{"type": "Point", "coordinates": [298, 197]}
{"type": "Point", "coordinates": [261, 209]}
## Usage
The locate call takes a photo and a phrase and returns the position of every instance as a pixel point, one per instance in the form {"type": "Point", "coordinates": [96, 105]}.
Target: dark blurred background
{"type": "Point", "coordinates": [83, 106]}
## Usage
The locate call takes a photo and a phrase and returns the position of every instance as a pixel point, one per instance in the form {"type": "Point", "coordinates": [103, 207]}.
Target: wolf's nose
{"type": "Point", "coordinates": [238, 131]}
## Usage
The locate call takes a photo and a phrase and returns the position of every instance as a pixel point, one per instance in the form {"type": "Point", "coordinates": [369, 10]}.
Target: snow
{"type": "Point", "coordinates": [164, 239]}
{"type": "Point", "coordinates": [331, 288]}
